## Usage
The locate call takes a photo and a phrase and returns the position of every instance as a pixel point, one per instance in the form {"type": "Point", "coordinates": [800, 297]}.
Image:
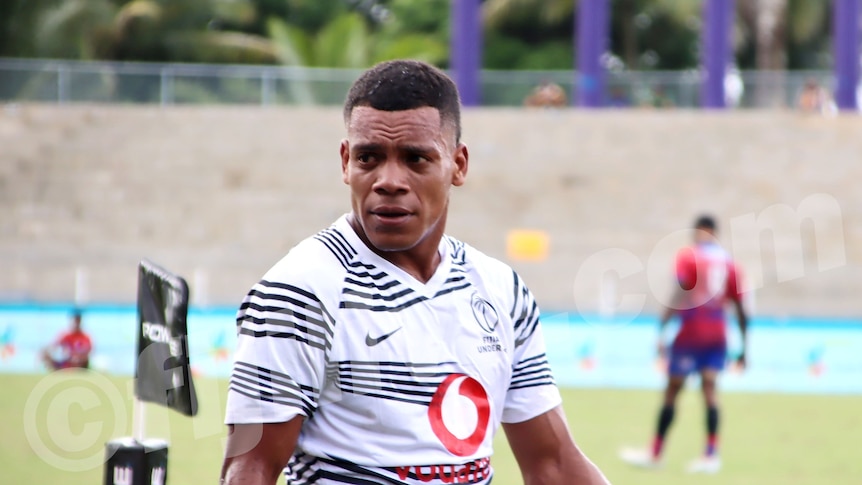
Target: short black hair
{"type": "Point", "coordinates": [405, 84]}
{"type": "Point", "coordinates": [705, 221]}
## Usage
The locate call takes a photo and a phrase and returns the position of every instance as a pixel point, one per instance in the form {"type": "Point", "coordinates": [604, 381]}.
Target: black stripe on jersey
{"type": "Point", "coordinates": [373, 477]}
{"type": "Point", "coordinates": [372, 284]}
{"type": "Point", "coordinates": [366, 274]}
{"type": "Point", "coordinates": [310, 310]}
{"type": "Point", "coordinates": [335, 249]}
{"type": "Point", "coordinates": [525, 312]}
{"type": "Point", "coordinates": [287, 335]}
{"type": "Point", "coordinates": [454, 288]}
{"type": "Point", "coordinates": [377, 364]}
{"type": "Point", "coordinates": [295, 314]}
{"type": "Point", "coordinates": [266, 385]}
{"type": "Point", "coordinates": [383, 308]}
{"type": "Point", "coordinates": [285, 322]}
{"type": "Point", "coordinates": [529, 323]}
{"type": "Point", "coordinates": [302, 469]}
{"type": "Point", "coordinates": [458, 254]}
{"type": "Point", "coordinates": [298, 292]}
{"type": "Point", "coordinates": [380, 308]}
{"type": "Point", "coordinates": [377, 296]}
{"type": "Point", "coordinates": [287, 400]}
{"type": "Point", "coordinates": [334, 237]}
{"type": "Point", "coordinates": [516, 286]}
{"type": "Point", "coordinates": [391, 291]}
{"type": "Point", "coordinates": [397, 381]}
{"type": "Point", "coordinates": [298, 472]}
{"type": "Point", "coordinates": [402, 391]}
{"type": "Point", "coordinates": [532, 372]}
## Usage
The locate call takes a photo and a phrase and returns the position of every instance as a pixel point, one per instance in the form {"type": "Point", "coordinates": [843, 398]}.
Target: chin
{"type": "Point", "coordinates": [390, 244]}
{"type": "Point", "coordinates": [389, 247]}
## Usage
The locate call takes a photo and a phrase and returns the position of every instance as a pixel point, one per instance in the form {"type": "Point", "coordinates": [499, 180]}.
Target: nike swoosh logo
{"type": "Point", "coordinates": [371, 341]}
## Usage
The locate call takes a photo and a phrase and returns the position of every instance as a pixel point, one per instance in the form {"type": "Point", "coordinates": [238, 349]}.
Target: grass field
{"type": "Point", "coordinates": [57, 425]}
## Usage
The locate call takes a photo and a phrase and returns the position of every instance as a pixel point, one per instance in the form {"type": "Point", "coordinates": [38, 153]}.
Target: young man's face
{"type": "Point", "coordinates": [400, 166]}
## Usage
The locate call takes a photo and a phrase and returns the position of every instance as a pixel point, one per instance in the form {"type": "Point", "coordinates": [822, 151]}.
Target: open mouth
{"type": "Point", "coordinates": [391, 214]}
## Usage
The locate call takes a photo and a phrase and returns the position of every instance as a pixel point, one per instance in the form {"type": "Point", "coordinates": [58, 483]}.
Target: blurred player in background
{"type": "Point", "coordinates": [707, 280]}
{"type": "Point", "coordinates": [382, 350]}
{"type": "Point", "coordinates": [71, 350]}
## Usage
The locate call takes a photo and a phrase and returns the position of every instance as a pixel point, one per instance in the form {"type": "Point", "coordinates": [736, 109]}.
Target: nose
{"type": "Point", "coordinates": [391, 178]}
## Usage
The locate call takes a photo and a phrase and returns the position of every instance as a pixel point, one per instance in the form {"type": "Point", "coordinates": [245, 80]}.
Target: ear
{"type": "Point", "coordinates": [344, 151]}
{"type": "Point", "coordinates": [461, 160]}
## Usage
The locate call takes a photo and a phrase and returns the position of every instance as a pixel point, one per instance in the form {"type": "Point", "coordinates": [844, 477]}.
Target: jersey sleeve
{"type": "Point", "coordinates": [532, 390]}
{"type": "Point", "coordinates": [735, 288]}
{"type": "Point", "coordinates": [283, 334]}
{"type": "Point", "coordinates": [686, 268]}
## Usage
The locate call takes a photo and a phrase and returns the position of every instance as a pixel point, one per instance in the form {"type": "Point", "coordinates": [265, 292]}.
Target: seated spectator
{"type": "Point", "coordinates": [547, 95]}
{"type": "Point", "coordinates": [71, 350]}
{"type": "Point", "coordinates": [814, 99]}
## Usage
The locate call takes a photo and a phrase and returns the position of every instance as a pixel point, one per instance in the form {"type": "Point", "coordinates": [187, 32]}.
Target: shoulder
{"type": "Point", "coordinates": [686, 254]}
{"type": "Point", "coordinates": [494, 274]}
{"type": "Point", "coordinates": [318, 257]}
{"type": "Point", "coordinates": [477, 261]}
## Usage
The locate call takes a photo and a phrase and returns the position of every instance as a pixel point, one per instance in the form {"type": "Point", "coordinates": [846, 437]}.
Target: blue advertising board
{"type": "Point", "coordinates": [784, 354]}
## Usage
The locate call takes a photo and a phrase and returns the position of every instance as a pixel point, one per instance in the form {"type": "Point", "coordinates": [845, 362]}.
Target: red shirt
{"type": "Point", "coordinates": [710, 280]}
{"type": "Point", "coordinates": [77, 346]}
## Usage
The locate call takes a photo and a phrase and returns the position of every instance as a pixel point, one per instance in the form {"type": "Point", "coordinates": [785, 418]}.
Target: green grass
{"type": "Point", "coordinates": [766, 438]}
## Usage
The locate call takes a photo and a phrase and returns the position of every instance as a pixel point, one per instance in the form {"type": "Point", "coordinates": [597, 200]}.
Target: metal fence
{"type": "Point", "coordinates": [56, 81]}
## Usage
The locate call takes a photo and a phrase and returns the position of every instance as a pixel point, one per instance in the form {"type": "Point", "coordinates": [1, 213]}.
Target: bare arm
{"type": "Point", "coordinates": [547, 454]}
{"type": "Point", "coordinates": [666, 316]}
{"type": "Point", "coordinates": [256, 454]}
{"type": "Point", "coordinates": [742, 321]}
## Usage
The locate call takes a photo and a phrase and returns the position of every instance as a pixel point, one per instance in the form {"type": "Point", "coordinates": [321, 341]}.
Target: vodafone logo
{"type": "Point", "coordinates": [459, 414]}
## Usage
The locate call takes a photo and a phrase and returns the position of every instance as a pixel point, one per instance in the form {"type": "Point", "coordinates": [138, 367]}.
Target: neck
{"type": "Point", "coordinates": [420, 261]}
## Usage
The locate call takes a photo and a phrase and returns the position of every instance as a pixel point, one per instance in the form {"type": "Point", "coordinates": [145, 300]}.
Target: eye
{"type": "Point", "coordinates": [366, 158]}
{"type": "Point", "coordinates": [414, 158]}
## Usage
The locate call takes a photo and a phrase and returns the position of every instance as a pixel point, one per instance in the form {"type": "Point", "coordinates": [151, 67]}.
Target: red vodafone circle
{"type": "Point", "coordinates": [472, 390]}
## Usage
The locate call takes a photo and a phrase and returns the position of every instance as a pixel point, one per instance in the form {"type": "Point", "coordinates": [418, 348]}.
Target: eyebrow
{"type": "Point", "coordinates": [377, 147]}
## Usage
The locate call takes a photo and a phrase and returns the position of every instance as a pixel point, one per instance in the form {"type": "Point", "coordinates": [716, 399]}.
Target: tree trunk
{"type": "Point", "coordinates": [771, 51]}
{"type": "Point", "coordinates": [630, 34]}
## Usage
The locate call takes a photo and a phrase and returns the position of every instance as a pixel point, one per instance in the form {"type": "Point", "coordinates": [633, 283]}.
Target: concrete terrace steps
{"type": "Point", "coordinates": [218, 194]}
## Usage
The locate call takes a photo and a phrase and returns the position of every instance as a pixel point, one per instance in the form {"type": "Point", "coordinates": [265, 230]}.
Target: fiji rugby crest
{"type": "Point", "coordinates": [484, 313]}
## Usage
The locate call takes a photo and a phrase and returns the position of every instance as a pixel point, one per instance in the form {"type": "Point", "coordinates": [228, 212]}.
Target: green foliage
{"type": "Point", "coordinates": [83, 22]}
{"type": "Point", "coordinates": [809, 43]}
{"type": "Point", "coordinates": [417, 30]}
{"type": "Point", "coordinates": [428, 16]}
{"type": "Point", "coordinates": [415, 46]}
{"type": "Point", "coordinates": [555, 55]}
{"type": "Point", "coordinates": [502, 51]}
{"type": "Point", "coordinates": [529, 19]}
{"type": "Point", "coordinates": [219, 47]}
{"type": "Point", "coordinates": [518, 34]}
{"type": "Point", "coordinates": [313, 15]}
{"type": "Point", "coordinates": [292, 45]}
{"type": "Point", "coordinates": [18, 22]}
{"type": "Point", "coordinates": [661, 51]}
{"type": "Point", "coordinates": [343, 42]}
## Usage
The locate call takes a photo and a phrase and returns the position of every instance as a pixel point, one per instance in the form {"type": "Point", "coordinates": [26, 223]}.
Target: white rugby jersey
{"type": "Point", "coordinates": [400, 381]}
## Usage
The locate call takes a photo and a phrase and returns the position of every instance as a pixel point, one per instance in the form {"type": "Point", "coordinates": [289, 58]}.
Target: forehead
{"type": "Point", "coordinates": [424, 122]}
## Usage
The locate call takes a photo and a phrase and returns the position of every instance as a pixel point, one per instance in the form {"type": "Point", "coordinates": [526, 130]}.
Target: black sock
{"type": "Point", "coordinates": [711, 430]}
{"type": "Point", "coordinates": [665, 418]}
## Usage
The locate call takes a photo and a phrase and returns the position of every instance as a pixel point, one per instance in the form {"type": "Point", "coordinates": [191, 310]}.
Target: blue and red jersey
{"type": "Point", "coordinates": [710, 280]}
